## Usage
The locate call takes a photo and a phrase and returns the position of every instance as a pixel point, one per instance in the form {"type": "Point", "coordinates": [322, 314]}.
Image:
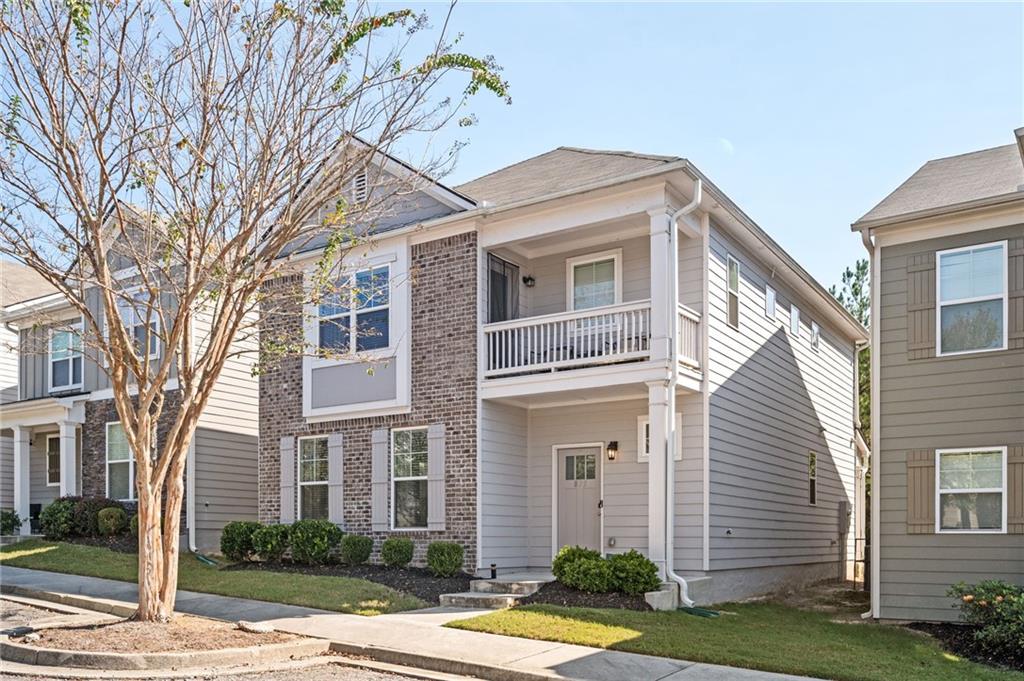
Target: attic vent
{"type": "Point", "coordinates": [360, 188]}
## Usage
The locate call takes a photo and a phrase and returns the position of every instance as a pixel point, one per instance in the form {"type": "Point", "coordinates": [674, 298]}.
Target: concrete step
{"type": "Point", "coordinates": [478, 599]}
{"type": "Point", "coordinates": [521, 587]}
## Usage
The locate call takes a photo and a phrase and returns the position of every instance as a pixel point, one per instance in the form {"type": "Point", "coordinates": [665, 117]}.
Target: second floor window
{"type": "Point", "coordinates": [66, 358]}
{"type": "Point", "coordinates": [794, 320]}
{"type": "Point", "coordinates": [594, 281]}
{"type": "Point", "coordinates": [971, 299]}
{"type": "Point", "coordinates": [361, 303]}
{"type": "Point", "coordinates": [142, 322]}
{"type": "Point", "coordinates": [733, 293]}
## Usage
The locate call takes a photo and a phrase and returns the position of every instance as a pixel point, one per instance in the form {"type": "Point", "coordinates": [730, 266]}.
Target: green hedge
{"type": "Point", "coordinates": [112, 521]}
{"type": "Point", "coordinates": [271, 542]}
{"type": "Point", "coordinates": [355, 549]}
{"type": "Point", "coordinates": [396, 551]}
{"type": "Point", "coordinates": [57, 519]}
{"type": "Point", "coordinates": [444, 558]}
{"type": "Point", "coordinates": [236, 539]}
{"type": "Point", "coordinates": [313, 541]}
{"type": "Point", "coordinates": [997, 609]}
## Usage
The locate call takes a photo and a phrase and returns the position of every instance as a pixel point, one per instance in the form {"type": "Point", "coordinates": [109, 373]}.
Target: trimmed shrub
{"type": "Point", "coordinates": [271, 542]}
{"type": "Point", "coordinates": [236, 539]}
{"type": "Point", "coordinates": [10, 522]}
{"type": "Point", "coordinates": [133, 524]}
{"type": "Point", "coordinates": [444, 558]}
{"type": "Point", "coordinates": [112, 521]}
{"type": "Point", "coordinates": [57, 520]}
{"type": "Point", "coordinates": [592, 575]}
{"type": "Point", "coordinates": [355, 549]}
{"type": "Point", "coordinates": [396, 551]}
{"type": "Point", "coordinates": [87, 514]}
{"type": "Point", "coordinates": [313, 541]}
{"type": "Point", "coordinates": [997, 609]}
{"type": "Point", "coordinates": [632, 573]}
{"type": "Point", "coordinates": [570, 554]}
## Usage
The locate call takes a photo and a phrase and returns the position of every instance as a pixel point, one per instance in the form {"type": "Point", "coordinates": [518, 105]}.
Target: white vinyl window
{"type": "Point", "coordinates": [594, 280]}
{"type": "Point", "coordinates": [815, 335]}
{"type": "Point", "coordinates": [812, 478]}
{"type": "Point", "coordinates": [120, 464]}
{"type": "Point", "coordinates": [409, 478]}
{"type": "Point", "coordinates": [643, 438]}
{"type": "Point", "coordinates": [313, 472]}
{"type": "Point", "coordinates": [136, 310]}
{"type": "Point", "coordinates": [794, 320]}
{"type": "Point", "coordinates": [362, 302]}
{"type": "Point", "coordinates": [733, 293]}
{"type": "Point", "coordinates": [66, 358]}
{"type": "Point", "coordinates": [971, 490]}
{"type": "Point", "coordinates": [972, 300]}
{"type": "Point", "coordinates": [53, 460]}
{"type": "Point", "coordinates": [769, 302]}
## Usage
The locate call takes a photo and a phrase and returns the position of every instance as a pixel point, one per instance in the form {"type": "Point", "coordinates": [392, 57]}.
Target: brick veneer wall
{"type": "Point", "coordinates": [443, 337]}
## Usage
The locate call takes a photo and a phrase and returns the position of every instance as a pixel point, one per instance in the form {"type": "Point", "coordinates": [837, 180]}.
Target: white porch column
{"type": "Point", "coordinates": [21, 475]}
{"type": "Point", "coordinates": [660, 405]}
{"type": "Point", "coordinates": [68, 459]}
{"type": "Point", "coordinates": [664, 295]}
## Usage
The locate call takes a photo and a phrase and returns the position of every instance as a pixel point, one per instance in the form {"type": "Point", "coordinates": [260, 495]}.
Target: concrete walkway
{"type": "Point", "coordinates": [414, 638]}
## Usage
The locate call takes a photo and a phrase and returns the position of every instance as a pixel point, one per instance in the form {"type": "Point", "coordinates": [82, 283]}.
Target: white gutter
{"type": "Point", "coordinates": [670, 459]}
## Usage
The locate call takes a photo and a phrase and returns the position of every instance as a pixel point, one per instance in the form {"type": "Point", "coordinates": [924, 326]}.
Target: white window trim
{"type": "Point", "coordinates": [812, 478]}
{"type": "Point", "coordinates": [641, 425]}
{"type": "Point", "coordinates": [353, 313]}
{"type": "Point", "coordinates": [298, 472]}
{"type": "Point", "coordinates": [391, 477]}
{"type": "Point", "coordinates": [815, 336]}
{"type": "Point", "coordinates": [79, 325]}
{"type": "Point", "coordinates": [729, 261]}
{"type": "Point", "coordinates": [980, 490]}
{"type": "Point", "coordinates": [794, 319]}
{"type": "Point", "coordinates": [614, 254]}
{"type": "Point", "coordinates": [770, 298]}
{"type": "Point", "coordinates": [48, 482]}
{"type": "Point", "coordinates": [939, 303]}
{"type": "Point", "coordinates": [106, 464]}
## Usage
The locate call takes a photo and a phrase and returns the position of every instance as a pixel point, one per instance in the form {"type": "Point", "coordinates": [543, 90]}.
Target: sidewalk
{"type": "Point", "coordinates": [414, 638]}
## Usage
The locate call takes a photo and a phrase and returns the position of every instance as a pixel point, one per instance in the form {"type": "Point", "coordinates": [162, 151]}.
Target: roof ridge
{"type": "Point", "coordinates": [617, 152]}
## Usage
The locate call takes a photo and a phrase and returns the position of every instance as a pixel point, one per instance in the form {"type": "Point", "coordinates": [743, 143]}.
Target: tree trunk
{"type": "Point", "coordinates": [158, 552]}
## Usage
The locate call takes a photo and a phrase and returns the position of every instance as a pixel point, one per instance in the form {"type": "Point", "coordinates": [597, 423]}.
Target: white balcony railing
{"type": "Point", "coordinates": [689, 338]}
{"type": "Point", "coordinates": [600, 335]}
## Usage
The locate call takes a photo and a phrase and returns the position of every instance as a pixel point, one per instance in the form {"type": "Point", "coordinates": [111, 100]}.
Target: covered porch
{"type": "Point", "coordinates": [42, 450]}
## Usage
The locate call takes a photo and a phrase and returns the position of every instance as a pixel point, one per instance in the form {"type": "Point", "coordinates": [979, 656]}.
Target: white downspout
{"type": "Point", "coordinates": [670, 459]}
{"type": "Point", "coordinates": [876, 257]}
{"type": "Point", "coordinates": [190, 494]}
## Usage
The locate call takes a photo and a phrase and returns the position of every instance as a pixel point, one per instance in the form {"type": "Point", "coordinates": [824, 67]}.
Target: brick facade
{"type": "Point", "coordinates": [444, 374]}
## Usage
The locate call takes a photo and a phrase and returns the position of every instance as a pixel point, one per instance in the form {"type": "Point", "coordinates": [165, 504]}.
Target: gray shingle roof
{"type": "Point", "coordinates": [558, 170]}
{"type": "Point", "coordinates": [19, 283]}
{"type": "Point", "coordinates": [948, 182]}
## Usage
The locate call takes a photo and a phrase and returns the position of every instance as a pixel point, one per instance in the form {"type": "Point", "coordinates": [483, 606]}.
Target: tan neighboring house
{"type": "Point", "coordinates": [947, 286]}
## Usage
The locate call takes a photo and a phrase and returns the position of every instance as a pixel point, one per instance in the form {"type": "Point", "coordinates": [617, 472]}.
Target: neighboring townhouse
{"type": "Point", "coordinates": [66, 438]}
{"type": "Point", "coordinates": [590, 348]}
{"type": "Point", "coordinates": [947, 284]}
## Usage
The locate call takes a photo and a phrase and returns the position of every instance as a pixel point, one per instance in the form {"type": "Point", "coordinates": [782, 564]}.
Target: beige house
{"type": "Point", "coordinates": [947, 286]}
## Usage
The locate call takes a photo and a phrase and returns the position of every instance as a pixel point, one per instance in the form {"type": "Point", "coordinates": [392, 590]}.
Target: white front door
{"type": "Point", "coordinates": [579, 497]}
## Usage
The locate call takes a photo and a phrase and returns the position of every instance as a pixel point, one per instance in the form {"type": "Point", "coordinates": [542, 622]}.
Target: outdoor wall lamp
{"type": "Point", "coordinates": [529, 281]}
{"type": "Point", "coordinates": [613, 450]}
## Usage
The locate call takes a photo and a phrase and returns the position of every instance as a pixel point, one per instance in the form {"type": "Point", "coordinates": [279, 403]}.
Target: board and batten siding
{"type": "Point", "coordinates": [774, 399]}
{"type": "Point", "coordinates": [226, 482]}
{"type": "Point", "coordinates": [929, 403]}
{"type": "Point", "coordinates": [504, 497]}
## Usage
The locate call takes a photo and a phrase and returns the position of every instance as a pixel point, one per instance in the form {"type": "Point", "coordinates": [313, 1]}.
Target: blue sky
{"type": "Point", "coordinates": [806, 115]}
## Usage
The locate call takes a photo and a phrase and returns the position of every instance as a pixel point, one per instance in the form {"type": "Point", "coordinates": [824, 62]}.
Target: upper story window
{"type": "Point", "coordinates": [971, 495]}
{"type": "Point", "coordinates": [409, 454]}
{"type": "Point", "coordinates": [769, 302]}
{"type": "Point", "coordinates": [66, 358]}
{"type": "Point", "coordinates": [815, 335]}
{"type": "Point", "coordinates": [594, 280]}
{"type": "Point", "coordinates": [794, 320]}
{"type": "Point", "coordinates": [142, 321]}
{"type": "Point", "coordinates": [362, 303]}
{"type": "Point", "coordinates": [733, 293]}
{"type": "Point", "coordinates": [812, 478]}
{"type": "Point", "coordinates": [972, 299]}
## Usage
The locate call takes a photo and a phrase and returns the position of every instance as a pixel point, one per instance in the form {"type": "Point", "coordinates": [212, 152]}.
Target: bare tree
{"type": "Point", "coordinates": [161, 160]}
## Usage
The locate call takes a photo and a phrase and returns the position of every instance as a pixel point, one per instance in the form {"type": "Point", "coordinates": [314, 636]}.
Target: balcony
{"type": "Point", "coordinates": [565, 341]}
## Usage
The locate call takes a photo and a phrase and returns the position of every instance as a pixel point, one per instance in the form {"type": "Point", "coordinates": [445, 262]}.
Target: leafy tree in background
{"type": "Point", "coordinates": [855, 295]}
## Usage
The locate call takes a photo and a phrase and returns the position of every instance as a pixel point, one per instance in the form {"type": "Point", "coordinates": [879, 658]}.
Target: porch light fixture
{"type": "Point", "coordinates": [529, 281]}
{"type": "Point", "coordinates": [613, 450]}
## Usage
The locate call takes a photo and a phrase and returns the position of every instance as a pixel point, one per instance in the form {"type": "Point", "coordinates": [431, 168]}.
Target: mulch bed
{"type": "Point", "coordinates": [183, 633]}
{"type": "Point", "coordinates": [412, 580]}
{"type": "Point", "coordinates": [959, 640]}
{"type": "Point", "coordinates": [555, 593]}
{"type": "Point", "coordinates": [122, 543]}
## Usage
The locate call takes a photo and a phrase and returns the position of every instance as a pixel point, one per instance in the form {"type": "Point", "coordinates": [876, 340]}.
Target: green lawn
{"type": "Point", "coordinates": [766, 636]}
{"type": "Point", "coordinates": [343, 594]}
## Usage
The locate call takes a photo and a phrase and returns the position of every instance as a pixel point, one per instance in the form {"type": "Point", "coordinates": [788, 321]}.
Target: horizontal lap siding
{"type": "Point", "coordinates": [774, 399]}
{"type": "Point", "coordinates": [226, 482]}
{"type": "Point", "coordinates": [936, 403]}
{"type": "Point", "coordinates": [503, 485]}
{"type": "Point", "coordinates": [234, 403]}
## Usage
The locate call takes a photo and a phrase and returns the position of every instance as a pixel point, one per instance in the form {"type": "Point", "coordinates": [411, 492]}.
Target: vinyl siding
{"type": "Point", "coordinates": [8, 393]}
{"type": "Point", "coordinates": [234, 402]}
{"type": "Point", "coordinates": [6, 471]}
{"type": "Point", "coordinates": [774, 399]}
{"type": "Point", "coordinates": [503, 484]}
{"type": "Point", "coordinates": [936, 403]}
{"type": "Point", "coordinates": [225, 484]}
